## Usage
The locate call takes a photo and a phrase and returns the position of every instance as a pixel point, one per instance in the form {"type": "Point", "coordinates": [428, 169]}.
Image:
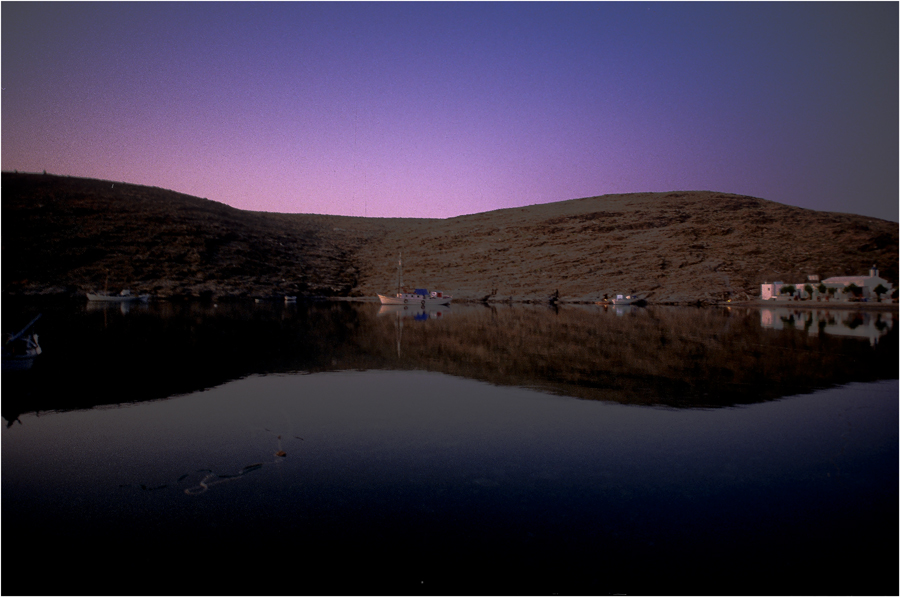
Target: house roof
{"type": "Point", "coordinates": [858, 280]}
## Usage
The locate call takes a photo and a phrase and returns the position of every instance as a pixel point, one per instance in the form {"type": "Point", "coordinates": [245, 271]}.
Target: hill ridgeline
{"type": "Point", "coordinates": [63, 235]}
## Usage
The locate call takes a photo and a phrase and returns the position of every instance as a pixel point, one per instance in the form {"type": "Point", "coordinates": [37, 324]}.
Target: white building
{"type": "Point", "coordinates": [769, 292]}
{"type": "Point", "coordinates": [866, 284]}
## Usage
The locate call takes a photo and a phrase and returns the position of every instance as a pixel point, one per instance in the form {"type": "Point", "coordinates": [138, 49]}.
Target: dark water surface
{"type": "Point", "coordinates": [349, 449]}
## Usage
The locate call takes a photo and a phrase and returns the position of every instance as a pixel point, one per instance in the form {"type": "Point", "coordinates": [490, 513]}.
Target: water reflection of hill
{"type": "Point", "coordinates": [668, 356]}
{"type": "Point", "coordinates": [664, 356]}
{"type": "Point", "coordinates": [118, 356]}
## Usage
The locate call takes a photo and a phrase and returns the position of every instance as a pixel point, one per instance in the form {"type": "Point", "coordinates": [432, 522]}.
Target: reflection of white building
{"type": "Point", "coordinates": [854, 324]}
{"type": "Point", "coordinates": [866, 285]}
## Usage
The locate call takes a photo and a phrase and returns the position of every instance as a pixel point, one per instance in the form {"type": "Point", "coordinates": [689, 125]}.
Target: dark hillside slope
{"type": "Point", "coordinates": [69, 235]}
{"type": "Point", "coordinates": [73, 233]}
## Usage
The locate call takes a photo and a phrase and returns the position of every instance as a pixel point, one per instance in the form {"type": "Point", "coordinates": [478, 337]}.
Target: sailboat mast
{"type": "Point", "coordinates": [400, 273]}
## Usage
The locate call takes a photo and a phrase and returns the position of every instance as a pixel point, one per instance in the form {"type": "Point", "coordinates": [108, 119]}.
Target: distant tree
{"type": "Point", "coordinates": [832, 290]}
{"type": "Point", "coordinates": [853, 290]}
{"type": "Point", "coordinates": [789, 289]}
{"type": "Point", "coordinates": [808, 289]}
{"type": "Point", "coordinates": [879, 290]}
{"type": "Point", "coordinates": [822, 288]}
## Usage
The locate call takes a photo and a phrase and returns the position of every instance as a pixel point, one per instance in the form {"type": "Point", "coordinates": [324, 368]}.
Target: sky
{"type": "Point", "coordinates": [442, 109]}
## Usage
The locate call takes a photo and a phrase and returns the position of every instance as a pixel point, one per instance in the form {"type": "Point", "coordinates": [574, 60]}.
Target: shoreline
{"type": "Point", "coordinates": [759, 303]}
{"type": "Point", "coordinates": [888, 305]}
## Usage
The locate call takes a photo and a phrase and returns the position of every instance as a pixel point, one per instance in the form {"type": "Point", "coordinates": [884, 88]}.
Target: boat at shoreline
{"type": "Point", "coordinates": [418, 296]}
{"type": "Point", "coordinates": [122, 297]}
{"type": "Point", "coordinates": [626, 299]}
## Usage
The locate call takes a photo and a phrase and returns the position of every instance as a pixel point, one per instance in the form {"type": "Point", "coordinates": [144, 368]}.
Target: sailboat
{"type": "Point", "coordinates": [419, 296]}
{"type": "Point", "coordinates": [124, 296]}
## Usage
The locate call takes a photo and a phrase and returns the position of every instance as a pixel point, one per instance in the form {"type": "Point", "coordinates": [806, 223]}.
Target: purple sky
{"type": "Point", "coordinates": [438, 110]}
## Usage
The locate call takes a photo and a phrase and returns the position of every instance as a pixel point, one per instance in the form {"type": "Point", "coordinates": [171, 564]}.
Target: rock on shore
{"type": "Point", "coordinates": [72, 235]}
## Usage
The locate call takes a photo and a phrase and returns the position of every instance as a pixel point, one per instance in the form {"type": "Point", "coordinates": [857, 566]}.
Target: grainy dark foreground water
{"type": "Point", "coordinates": [346, 449]}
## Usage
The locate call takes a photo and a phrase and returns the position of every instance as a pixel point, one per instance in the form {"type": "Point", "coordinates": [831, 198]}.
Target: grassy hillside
{"type": "Point", "coordinates": [71, 235]}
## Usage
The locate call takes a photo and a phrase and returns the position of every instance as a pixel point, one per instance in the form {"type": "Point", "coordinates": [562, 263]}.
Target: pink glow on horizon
{"type": "Point", "coordinates": [439, 110]}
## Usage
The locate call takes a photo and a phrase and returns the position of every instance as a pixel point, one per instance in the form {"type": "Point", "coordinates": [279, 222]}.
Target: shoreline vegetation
{"type": "Point", "coordinates": [67, 236]}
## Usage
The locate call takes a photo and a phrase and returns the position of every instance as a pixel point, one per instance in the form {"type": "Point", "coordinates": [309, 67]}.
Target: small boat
{"type": "Point", "coordinates": [418, 296]}
{"type": "Point", "coordinates": [20, 350]}
{"type": "Point", "coordinates": [626, 299]}
{"type": "Point", "coordinates": [122, 297]}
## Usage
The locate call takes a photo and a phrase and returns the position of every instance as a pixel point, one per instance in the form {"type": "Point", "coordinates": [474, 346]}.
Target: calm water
{"type": "Point", "coordinates": [352, 449]}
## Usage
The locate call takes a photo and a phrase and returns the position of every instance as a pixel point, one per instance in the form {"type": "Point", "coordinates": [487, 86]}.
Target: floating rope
{"type": "Point", "coordinates": [208, 479]}
{"type": "Point", "coordinates": [211, 478]}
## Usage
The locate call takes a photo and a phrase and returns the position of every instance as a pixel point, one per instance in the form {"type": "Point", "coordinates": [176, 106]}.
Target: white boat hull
{"type": "Point", "coordinates": [626, 300]}
{"type": "Point", "coordinates": [420, 296]}
{"type": "Point", "coordinates": [414, 300]}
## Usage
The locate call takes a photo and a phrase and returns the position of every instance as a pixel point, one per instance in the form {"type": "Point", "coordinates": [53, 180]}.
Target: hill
{"type": "Point", "coordinates": [72, 235]}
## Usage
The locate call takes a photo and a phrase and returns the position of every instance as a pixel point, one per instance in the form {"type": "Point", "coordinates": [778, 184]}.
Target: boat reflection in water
{"type": "Point", "coordinates": [415, 312]}
{"type": "Point", "coordinates": [508, 449]}
{"type": "Point", "coordinates": [621, 310]}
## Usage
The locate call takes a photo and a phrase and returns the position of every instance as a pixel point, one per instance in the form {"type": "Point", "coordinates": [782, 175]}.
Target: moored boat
{"type": "Point", "coordinates": [626, 299]}
{"type": "Point", "coordinates": [122, 297]}
{"type": "Point", "coordinates": [418, 296]}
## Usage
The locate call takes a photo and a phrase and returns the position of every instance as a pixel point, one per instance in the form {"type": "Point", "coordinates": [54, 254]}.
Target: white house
{"type": "Point", "coordinates": [773, 291]}
{"type": "Point", "coordinates": [867, 285]}
{"type": "Point", "coordinates": [770, 291]}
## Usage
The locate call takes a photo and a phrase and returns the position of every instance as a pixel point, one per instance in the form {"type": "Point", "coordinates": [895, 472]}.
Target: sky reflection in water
{"type": "Point", "coordinates": [413, 461]}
